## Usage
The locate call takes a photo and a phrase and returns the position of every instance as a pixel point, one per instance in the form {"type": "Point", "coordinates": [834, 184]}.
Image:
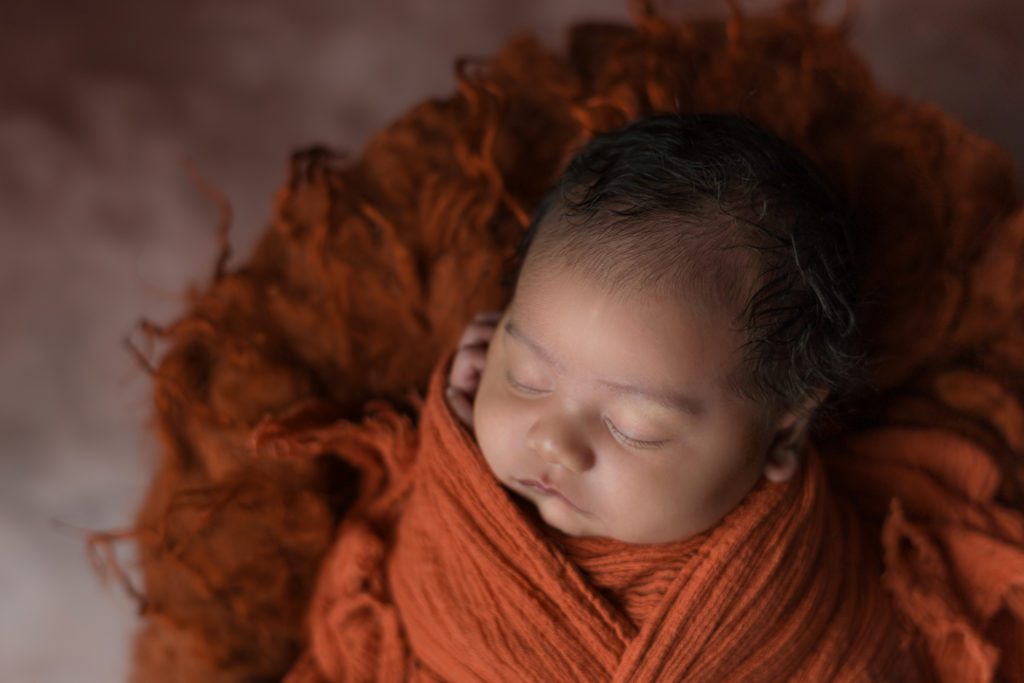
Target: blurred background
{"type": "Point", "coordinates": [103, 104]}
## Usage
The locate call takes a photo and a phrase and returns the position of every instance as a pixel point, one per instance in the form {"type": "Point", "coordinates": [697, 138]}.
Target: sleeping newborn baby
{"type": "Point", "coordinates": [683, 304]}
{"type": "Point", "coordinates": [611, 479]}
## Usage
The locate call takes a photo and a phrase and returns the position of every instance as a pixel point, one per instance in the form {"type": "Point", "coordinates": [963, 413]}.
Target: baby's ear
{"type": "Point", "coordinates": [790, 432]}
{"type": "Point", "coordinates": [781, 465]}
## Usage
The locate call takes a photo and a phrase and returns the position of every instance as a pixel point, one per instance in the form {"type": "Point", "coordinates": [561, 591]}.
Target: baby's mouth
{"type": "Point", "coordinates": [550, 491]}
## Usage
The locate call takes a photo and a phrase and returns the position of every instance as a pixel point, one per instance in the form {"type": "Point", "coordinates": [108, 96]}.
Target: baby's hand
{"type": "Point", "coordinates": [468, 365]}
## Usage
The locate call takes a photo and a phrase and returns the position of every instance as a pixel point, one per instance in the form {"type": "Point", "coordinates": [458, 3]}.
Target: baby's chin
{"type": "Point", "coordinates": [569, 527]}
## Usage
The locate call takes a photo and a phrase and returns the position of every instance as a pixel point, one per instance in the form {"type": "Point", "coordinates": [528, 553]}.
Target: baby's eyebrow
{"type": "Point", "coordinates": [517, 334]}
{"type": "Point", "coordinates": [683, 403]}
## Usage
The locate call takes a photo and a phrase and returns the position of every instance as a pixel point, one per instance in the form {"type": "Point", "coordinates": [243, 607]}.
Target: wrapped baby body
{"type": "Point", "coordinates": [467, 585]}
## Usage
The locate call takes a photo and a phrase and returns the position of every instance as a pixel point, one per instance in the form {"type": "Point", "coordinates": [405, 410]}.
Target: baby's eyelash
{"type": "Point", "coordinates": [635, 443]}
{"type": "Point", "coordinates": [522, 387]}
{"type": "Point", "coordinates": [628, 440]}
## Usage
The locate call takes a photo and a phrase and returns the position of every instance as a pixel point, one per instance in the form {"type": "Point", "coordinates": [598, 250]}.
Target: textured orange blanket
{"type": "Point", "coordinates": [468, 586]}
{"type": "Point", "coordinates": [406, 240]}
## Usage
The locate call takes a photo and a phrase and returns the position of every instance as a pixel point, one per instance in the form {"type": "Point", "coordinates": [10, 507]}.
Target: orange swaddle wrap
{"type": "Point", "coordinates": [468, 585]}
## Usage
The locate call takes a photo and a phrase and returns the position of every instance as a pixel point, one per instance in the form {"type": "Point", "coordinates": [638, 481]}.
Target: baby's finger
{"type": "Point", "coordinates": [488, 317]}
{"type": "Point", "coordinates": [467, 367]}
{"type": "Point", "coordinates": [461, 405]}
{"type": "Point", "coordinates": [476, 334]}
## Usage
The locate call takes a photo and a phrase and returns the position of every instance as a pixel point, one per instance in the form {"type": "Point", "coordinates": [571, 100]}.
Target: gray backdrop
{"type": "Point", "coordinates": [102, 102]}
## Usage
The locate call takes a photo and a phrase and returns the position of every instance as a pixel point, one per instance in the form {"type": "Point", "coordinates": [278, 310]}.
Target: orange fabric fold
{"type": "Point", "coordinates": [634, 578]}
{"type": "Point", "coordinates": [954, 556]}
{"type": "Point", "coordinates": [465, 583]}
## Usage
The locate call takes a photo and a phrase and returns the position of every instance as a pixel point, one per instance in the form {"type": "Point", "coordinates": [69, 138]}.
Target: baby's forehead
{"type": "Point", "coordinates": [696, 259]}
{"type": "Point", "coordinates": [637, 299]}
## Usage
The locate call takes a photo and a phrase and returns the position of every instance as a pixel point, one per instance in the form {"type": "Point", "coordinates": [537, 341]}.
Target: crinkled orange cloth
{"type": "Point", "coordinates": [459, 582]}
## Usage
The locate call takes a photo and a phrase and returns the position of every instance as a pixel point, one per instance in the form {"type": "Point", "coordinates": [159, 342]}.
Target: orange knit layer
{"type": "Point", "coordinates": [460, 583]}
{"type": "Point", "coordinates": [632, 577]}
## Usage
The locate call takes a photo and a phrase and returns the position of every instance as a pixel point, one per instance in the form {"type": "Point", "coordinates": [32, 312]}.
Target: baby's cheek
{"type": "Point", "coordinates": [633, 505]}
{"type": "Point", "coordinates": [490, 420]}
{"type": "Point", "coordinates": [485, 391]}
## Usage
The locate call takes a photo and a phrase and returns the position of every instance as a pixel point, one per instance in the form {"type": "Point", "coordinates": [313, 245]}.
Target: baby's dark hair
{"type": "Point", "coordinates": [714, 206]}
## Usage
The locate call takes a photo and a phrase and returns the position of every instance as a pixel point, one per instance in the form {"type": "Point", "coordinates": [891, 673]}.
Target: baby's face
{"type": "Point", "coordinates": [620, 404]}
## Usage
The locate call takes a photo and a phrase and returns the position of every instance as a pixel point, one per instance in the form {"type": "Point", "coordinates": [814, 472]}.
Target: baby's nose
{"type": "Point", "coordinates": [562, 441]}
